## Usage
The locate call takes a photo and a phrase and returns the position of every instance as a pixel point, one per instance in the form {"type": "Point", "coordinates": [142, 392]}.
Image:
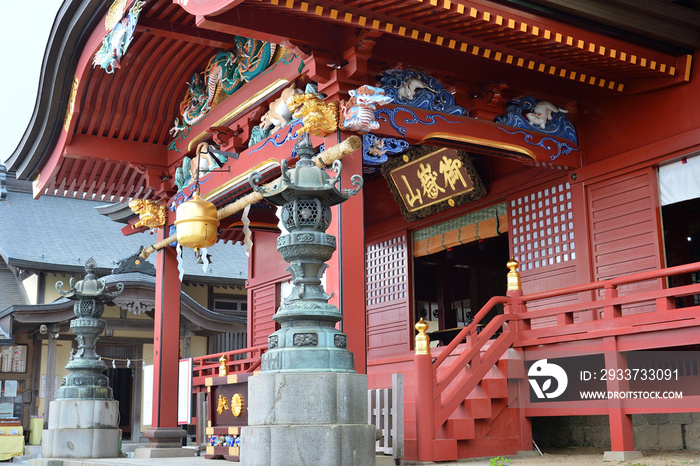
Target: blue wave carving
{"type": "Point", "coordinates": [416, 89]}
{"type": "Point", "coordinates": [375, 150]}
{"type": "Point", "coordinates": [516, 116]}
{"type": "Point", "coordinates": [391, 118]}
{"type": "Point", "coordinates": [275, 139]}
{"type": "Point", "coordinates": [560, 147]}
{"type": "Point", "coordinates": [186, 193]}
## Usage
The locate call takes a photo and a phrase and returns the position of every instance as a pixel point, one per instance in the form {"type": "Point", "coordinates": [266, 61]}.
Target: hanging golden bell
{"type": "Point", "coordinates": [197, 223]}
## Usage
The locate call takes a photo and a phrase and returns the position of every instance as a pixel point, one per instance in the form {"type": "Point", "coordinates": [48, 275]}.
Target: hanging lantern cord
{"type": "Point", "coordinates": [322, 160]}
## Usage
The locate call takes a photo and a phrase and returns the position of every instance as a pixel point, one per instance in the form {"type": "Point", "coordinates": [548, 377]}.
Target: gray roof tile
{"type": "Point", "coordinates": [52, 233]}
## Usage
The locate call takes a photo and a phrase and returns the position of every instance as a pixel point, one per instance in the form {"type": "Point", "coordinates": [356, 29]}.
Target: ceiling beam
{"type": "Point", "coordinates": [119, 151]}
{"type": "Point", "coordinates": [190, 34]}
{"type": "Point", "coordinates": [271, 26]}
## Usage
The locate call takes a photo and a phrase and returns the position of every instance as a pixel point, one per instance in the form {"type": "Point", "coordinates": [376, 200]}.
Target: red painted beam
{"type": "Point", "coordinates": [478, 136]}
{"type": "Point", "coordinates": [271, 26]}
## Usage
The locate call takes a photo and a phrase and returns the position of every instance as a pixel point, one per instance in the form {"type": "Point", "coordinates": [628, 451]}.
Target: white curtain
{"type": "Point", "coordinates": [680, 180]}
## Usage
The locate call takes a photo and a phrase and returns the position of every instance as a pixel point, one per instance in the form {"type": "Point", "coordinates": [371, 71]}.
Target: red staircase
{"type": "Point", "coordinates": [470, 390]}
{"type": "Point", "coordinates": [466, 400]}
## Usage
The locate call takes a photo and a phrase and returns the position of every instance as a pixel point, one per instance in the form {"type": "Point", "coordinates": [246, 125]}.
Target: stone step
{"type": "Point", "coordinates": [22, 460]}
{"type": "Point", "coordinates": [32, 450]}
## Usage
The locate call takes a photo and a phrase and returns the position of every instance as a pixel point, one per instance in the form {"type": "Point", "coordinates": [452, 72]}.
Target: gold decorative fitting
{"type": "Point", "coordinates": [151, 215]}
{"type": "Point", "coordinates": [223, 405]}
{"type": "Point", "coordinates": [422, 340]}
{"type": "Point", "coordinates": [197, 223]}
{"type": "Point", "coordinates": [236, 405]}
{"type": "Point", "coordinates": [318, 117]}
{"type": "Point", "coordinates": [513, 275]}
{"type": "Point", "coordinates": [223, 368]}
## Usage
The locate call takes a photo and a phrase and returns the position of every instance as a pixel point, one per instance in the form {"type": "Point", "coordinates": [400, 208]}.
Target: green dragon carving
{"type": "Point", "coordinates": [227, 70]}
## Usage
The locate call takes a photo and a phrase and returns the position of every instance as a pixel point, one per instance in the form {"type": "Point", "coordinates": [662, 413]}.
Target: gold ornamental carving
{"type": "Point", "coordinates": [151, 215]}
{"type": "Point", "coordinates": [223, 405]}
{"type": "Point", "coordinates": [318, 117]}
{"type": "Point", "coordinates": [236, 405]}
{"type": "Point", "coordinates": [115, 14]}
{"type": "Point", "coordinates": [71, 104]}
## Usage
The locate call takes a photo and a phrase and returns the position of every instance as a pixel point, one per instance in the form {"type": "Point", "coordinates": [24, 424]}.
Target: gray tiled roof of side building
{"type": "Point", "coordinates": [60, 234]}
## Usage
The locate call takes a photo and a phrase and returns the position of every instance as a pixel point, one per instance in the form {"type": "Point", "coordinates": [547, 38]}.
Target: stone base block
{"type": "Point", "coordinates": [83, 414]}
{"type": "Point", "coordinates": [165, 437]}
{"type": "Point", "coordinates": [163, 452]}
{"type": "Point", "coordinates": [622, 455]}
{"type": "Point", "coordinates": [307, 398]}
{"type": "Point", "coordinates": [292, 445]}
{"type": "Point", "coordinates": [80, 443]}
{"type": "Point", "coordinates": [312, 418]}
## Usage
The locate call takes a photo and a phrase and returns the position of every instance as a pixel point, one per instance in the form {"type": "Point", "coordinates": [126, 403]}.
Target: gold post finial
{"type": "Point", "coordinates": [422, 340]}
{"type": "Point", "coordinates": [223, 368]}
{"type": "Point", "coordinates": [513, 275]}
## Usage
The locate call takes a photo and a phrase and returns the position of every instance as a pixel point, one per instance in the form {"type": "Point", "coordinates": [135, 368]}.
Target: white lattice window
{"type": "Point", "coordinates": [386, 270]}
{"type": "Point", "coordinates": [542, 227]}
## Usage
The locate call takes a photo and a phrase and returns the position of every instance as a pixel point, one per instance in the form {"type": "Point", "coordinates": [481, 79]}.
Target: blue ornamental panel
{"type": "Point", "coordinates": [416, 89]}
{"type": "Point", "coordinates": [538, 115]}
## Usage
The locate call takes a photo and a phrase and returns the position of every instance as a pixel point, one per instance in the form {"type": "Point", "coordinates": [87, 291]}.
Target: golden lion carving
{"type": "Point", "coordinates": [319, 118]}
{"type": "Point", "coordinates": [151, 215]}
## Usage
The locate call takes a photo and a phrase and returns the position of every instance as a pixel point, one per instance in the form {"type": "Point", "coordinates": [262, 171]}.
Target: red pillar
{"type": "Point", "coordinates": [164, 431]}
{"type": "Point", "coordinates": [345, 277]}
{"type": "Point", "coordinates": [621, 432]}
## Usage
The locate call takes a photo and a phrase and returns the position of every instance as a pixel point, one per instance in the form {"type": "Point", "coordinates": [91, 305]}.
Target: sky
{"type": "Point", "coordinates": [24, 30]}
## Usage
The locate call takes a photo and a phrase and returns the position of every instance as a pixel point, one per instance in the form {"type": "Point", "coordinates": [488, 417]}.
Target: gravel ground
{"type": "Point", "coordinates": [594, 456]}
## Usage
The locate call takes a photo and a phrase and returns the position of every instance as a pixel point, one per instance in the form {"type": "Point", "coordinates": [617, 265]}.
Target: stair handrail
{"type": "Point", "coordinates": [469, 329]}
{"type": "Point", "coordinates": [480, 364]}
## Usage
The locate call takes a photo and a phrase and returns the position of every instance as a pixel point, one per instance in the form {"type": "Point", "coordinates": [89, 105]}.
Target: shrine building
{"type": "Point", "coordinates": [530, 199]}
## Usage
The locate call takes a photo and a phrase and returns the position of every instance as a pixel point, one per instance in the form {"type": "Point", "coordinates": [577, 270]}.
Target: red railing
{"type": "Point", "coordinates": [604, 316]}
{"type": "Point", "coordinates": [243, 360]}
{"type": "Point", "coordinates": [442, 392]}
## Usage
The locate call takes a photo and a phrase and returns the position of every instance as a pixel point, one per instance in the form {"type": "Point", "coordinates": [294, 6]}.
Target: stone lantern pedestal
{"type": "Point", "coordinates": [84, 418]}
{"type": "Point", "coordinates": [307, 406]}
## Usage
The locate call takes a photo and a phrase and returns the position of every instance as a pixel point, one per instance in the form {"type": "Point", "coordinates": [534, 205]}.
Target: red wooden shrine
{"type": "Point", "coordinates": [580, 212]}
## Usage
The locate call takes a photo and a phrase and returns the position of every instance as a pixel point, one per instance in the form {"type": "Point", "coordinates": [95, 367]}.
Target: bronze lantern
{"type": "Point", "coordinates": [197, 223]}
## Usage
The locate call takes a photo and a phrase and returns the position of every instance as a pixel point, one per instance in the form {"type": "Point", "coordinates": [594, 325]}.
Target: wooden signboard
{"type": "Point", "coordinates": [228, 412]}
{"type": "Point", "coordinates": [429, 179]}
